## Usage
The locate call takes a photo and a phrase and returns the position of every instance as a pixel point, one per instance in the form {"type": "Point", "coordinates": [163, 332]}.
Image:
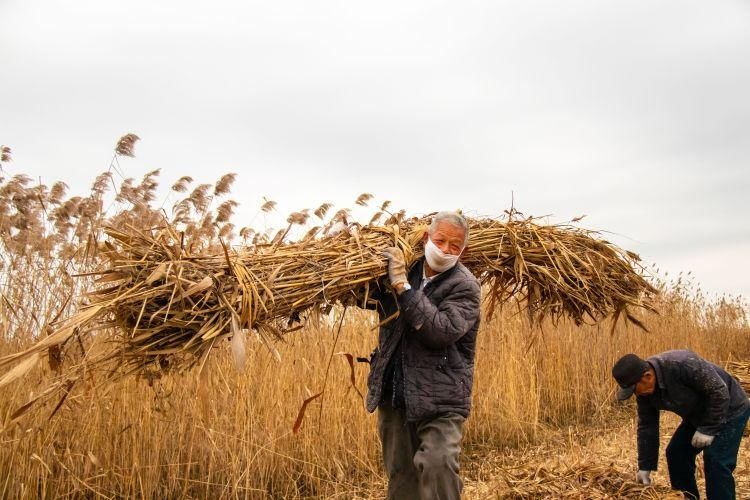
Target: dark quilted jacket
{"type": "Point", "coordinates": [699, 391]}
{"type": "Point", "coordinates": [439, 329]}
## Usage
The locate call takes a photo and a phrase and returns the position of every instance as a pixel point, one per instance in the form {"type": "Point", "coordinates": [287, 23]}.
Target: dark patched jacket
{"type": "Point", "coordinates": [438, 326]}
{"type": "Point", "coordinates": [702, 393]}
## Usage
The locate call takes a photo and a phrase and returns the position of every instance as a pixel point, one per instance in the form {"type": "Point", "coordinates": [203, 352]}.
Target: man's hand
{"type": "Point", "coordinates": [643, 477]}
{"type": "Point", "coordinates": [701, 440]}
{"type": "Point", "coordinates": [396, 266]}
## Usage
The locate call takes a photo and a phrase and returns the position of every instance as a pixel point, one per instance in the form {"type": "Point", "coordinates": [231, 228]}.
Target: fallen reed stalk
{"type": "Point", "coordinates": [541, 472]}
{"type": "Point", "coordinates": [582, 479]}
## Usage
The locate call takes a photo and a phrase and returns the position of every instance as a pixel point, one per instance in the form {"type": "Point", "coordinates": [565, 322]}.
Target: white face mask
{"type": "Point", "coordinates": [438, 260]}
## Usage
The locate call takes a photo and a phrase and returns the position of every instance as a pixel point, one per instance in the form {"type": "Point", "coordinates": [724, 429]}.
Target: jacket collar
{"type": "Point", "coordinates": [654, 362]}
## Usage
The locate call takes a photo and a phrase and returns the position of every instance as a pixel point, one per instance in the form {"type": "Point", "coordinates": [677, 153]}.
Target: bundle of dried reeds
{"type": "Point", "coordinates": [170, 307]}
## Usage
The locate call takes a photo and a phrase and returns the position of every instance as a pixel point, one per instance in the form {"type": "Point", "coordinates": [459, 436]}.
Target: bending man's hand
{"type": "Point", "coordinates": [701, 440]}
{"type": "Point", "coordinates": [643, 477]}
{"type": "Point", "coordinates": [396, 266]}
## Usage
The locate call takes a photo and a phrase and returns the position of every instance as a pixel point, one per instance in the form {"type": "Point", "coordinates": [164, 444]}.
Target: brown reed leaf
{"type": "Point", "coordinates": [301, 414]}
{"type": "Point", "coordinates": [352, 379]}
{"type": "Point", "coordinates": [156, 274]}
{"type": "Point", "coordinates": [20, 369]}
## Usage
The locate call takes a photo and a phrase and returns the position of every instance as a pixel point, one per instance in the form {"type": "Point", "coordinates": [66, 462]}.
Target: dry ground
{"type": "Point", "coordinates": [597, 462]}
{"type": "Point", "coordinates": [593, 462]}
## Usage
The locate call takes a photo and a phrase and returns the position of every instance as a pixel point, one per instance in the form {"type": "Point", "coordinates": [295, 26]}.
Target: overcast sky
{"type": "Point", "coordinates": [635, 113]}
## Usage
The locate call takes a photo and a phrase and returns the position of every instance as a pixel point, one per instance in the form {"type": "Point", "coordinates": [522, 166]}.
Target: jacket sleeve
{"type": "Point", "coordinates": [648, 436]}
{"type": "Point", "coordinates": [442, 325]}
{"type": "Point", "coordinates": [701, 377]}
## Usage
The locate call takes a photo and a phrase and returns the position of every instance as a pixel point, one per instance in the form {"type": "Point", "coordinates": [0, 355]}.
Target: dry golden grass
{"type": "Point", "coordinates": [228, 434]}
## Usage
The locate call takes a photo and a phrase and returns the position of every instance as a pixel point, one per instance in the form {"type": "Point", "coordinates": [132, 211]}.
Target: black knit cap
{"type": "Point", "coordinates": [628, 371]}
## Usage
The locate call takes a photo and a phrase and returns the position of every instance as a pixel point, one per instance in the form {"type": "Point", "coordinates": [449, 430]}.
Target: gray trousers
{"type": "Point", "coordinates": [421, 458]}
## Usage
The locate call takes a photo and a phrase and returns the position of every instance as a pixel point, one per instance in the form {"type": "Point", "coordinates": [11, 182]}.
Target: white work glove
{"type": "Point", "coordinates": [643, 477]}
{"type": "Point", "coordinates": [396, 265]}
{"type": "Point", "coordinates": [701, 440]}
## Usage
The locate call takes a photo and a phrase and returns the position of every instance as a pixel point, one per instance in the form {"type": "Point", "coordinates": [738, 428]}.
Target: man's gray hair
{"type": "Point", "coordinates": [452, 218]}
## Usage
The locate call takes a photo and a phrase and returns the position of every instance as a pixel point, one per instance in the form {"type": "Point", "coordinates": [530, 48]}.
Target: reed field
{"type": "Point", "coordinates": [543, 390]}
{"type": "Point", "coordinates": [229, 434]}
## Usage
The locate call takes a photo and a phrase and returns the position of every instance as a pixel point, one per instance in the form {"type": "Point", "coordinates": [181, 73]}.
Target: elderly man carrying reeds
{"type": "Point", "coordinates": [714, 410]}
{"type": "Point", "coordinates": [422, 370]}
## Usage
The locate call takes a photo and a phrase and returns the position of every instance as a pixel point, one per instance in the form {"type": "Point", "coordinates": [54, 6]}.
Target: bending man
{"type": "Point", "coordinates": [714, 410]}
